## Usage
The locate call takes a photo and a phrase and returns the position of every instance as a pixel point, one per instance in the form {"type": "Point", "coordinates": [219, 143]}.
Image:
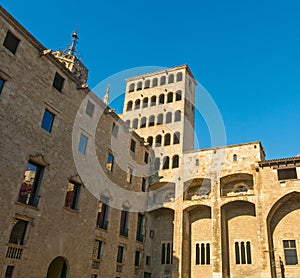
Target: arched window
{"type": "Point", "coordinates": [129, 105]}
{"type": "Point", "coordinates": [175, 161]}
{"type": "Point", "coordinates": [128, 123]}
{"type": "Point", "coordinates": [151, 120]}
{"type": "Point", "coordinates": [135, 123]}
{"type": "Point", "coordinates": [154, 82]}
{"type": "Point", "coordinates": [168, 117]}
{"type": "Point", "coordinates": [166, 162]}
{"type": "Point", "coordinates": [153, 101]}
{"type": "Point", "coordinates": [176, 138]}
{"type": "Point", "coordinates": [178, 95]}
{"type": "Point", "coordinates": [171, 78]}
{"type": "Point", "coordinates": [158, 141]}
{"type": "Point", "coordinates": [150, 140]}
{"type": "Point", "coordinates": [137, 104]}
{"type": "Point", "coordinates": [163, 80]}
{"type": "Point", "coordinates": [139, 86]}
{"type": "Point", "coordinates": [167, 139]}
{"type": "Point", "coordinates": [143, 122]}
{"type": "Point", "coordinates": [159, 119]}
{"type": "Point", "coordinates": [156, 164]}
{"type": "Point", "coordinates": [161, 99]}
{"type": "Point", "coordinates": [147, 84]}
{"type": "Point", "coordinates": [170, 97]}
{"type": "Point", "coordinates": [131, 87]}
{"type": "Point", "coordinates": [234, 157]}
{"type": "Point", "coordinates": [145, 102]}
{"type": "Point", "coordinates": [179, 76]}
{"type": "Point", "coordinates": [197, 254]}
{"type": "Point", "coordinates": [177, 116]}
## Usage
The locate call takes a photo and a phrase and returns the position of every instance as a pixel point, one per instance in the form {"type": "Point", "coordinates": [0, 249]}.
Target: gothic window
{"type": "Point", "coordinates": [131, 87]}
{"type": "Point", "coordinates": [154, 82]}
{"type": "Point", "coordinates": [153, 101]}
{"type": "Point", "coordinates": [176, 138]}
{"type": "Point", "coordinates": [242, 252]}
{"type": "Point", "coordinates": [129, 106]}
{"type": "Point", "coordinates": [167, 139]}
{"type": "Point", "coordinates": [166, 253]}
{"type": "Point", "coordinates": [166, 162]}
{"type": "Point", "coordinates": [175, 161]}
{"type": "Point", "coordinates": [158, 141]}
{"type": "Point", "coordinates": [143, 122]}
{"type": "Point", "coordinates": [177, 116]}
{"type": "Point", "coordinates": [145, 102]}
{"type": "Point", "coordinates": [203, 254]}
{"type": "Point", "coordinates": [147, 84]}
{"type": "Point", "coordinates": [151, 120]}
{"type": "Point", "coordinates": [139, 86]}
{"type": "Point", "coordinates": [179, 76]}
{"type": "Point", "coordinates": [168, 117]}
{"type": "Point", "coordinates": [161, 99]}
{"type": "Point", "coordinates": [171, 78]}
{"type": "Point", "coordinates": [137, 104]}
{"type": "Point", "coordinates": [163, 80]}
{"type": "Point", "coordinates": [178, 95]}
{"type": "Point", "coordinates": [170, 97]}
{"type": "Point", "coordinates": [159, 119]}
{"type": "Point", "coordinates": [124, 222]}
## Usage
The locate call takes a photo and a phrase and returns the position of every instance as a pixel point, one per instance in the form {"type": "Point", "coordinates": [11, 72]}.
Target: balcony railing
{"type": "Point", "coordinates": [14, 252]}
{"type": "Point", "coordinates": [123, 231]}
{"type": "Point", "coordinates": [102, 224]}
{"type": "Point", "coordinates": [140, 237]}
{"type": "Point", "coordinates": [29, 199]}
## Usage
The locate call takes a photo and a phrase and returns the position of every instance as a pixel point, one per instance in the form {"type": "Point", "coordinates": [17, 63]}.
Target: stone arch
{"type": "Point", "coordinates": [58, 268]}
{"type": "Point", "coordinates": [197, 188]}
{"type": "Point", "coordinates": [236, 184]}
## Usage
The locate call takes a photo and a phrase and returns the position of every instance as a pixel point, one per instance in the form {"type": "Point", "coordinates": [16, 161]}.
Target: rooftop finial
{"type": "Point", "coordinates": [75, 39]}
{"type": "Point", "coordinates": [106, 97]}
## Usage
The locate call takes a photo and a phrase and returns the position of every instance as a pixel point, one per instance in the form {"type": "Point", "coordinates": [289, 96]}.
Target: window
{"type": "Point", "coordinates": [1, 85]}
{"type": "Point", "coordinates": [150, 140]}
{"type": "Point", "coordinates": [153, 101]}
{"type": "Point", "coordinates": [166, 253]}
{"type": "Point", "coordinates": [137, 104]}
{"type": "Point", "coordinates": [139, 86]}
{"type": "Point", "coordinates": [30, 187]}
{"type": "Point", "coordinates": [146, 157]}
{"type": "Point", "coordinates": [197, 162]}
{"type": "Point", "coordinates": [290, 252]}
{"type": "Point", "coordinates": [176, 138]}
{"type": "Point", "coordinates": [154, 82]}
{"type": "Point", "coordinates": [97, 249]}
{"type": "Point", "coordinates": [203, 254]}
{"type": "Point", "coordinates": [124, 222]}
{"type": "Point", "coordinates": [156, 164]}
{"type": "Point", "coordinates": [110, 162]}
{"type": "Point", "coordinates": [131, 87]}
{"type": "Point", "coordinates": [140, 228]}
{"type": "Point", "coordinates": [234, 157]}
{"type": "Point", "coordinates": [120, 254]}
{"type": "Point", "coordinates": [161, 99]}
{"type": "Point", "coordinates": [11, 42]}
{"type": "Point", "coordinates": [90, 107]}
{"type": "Point", "coordinates": [287, 174]}
{"type": "Point", "coordinates": [169, 97]}
{"type": "Point", "coordinates": [129, 106]}
{"type": "Point", "coordinates": [135, 123]}
{"type": "Point", "coordinates": [9, 271]}
{"type": "Point", "coordinates": [167, 139]}
{"type": "Point", "coordinates": [175, 161]}
{"type": "Point", "coordinates": [177, 116]}
{"type": "Point", "coordinates": [127, 123]}
{"type": "Point", "coordinates": [103, 210]}
{"type": "Point", "coordinates": [158, 141]}
{"type": "Point", "coordinates": [145, 102]}
{"type": "Point", "coordinates": [143, 122]}
{"type": "Point", "coordinates": [137, 258]}
{"type": "Point", "coordinates": [129, 175]}
{"type": "Point", "coordinates": [179, 76]}
{"type": "Point", "coordinates": [147, 84]}
{"type": "Point", "coordinates": [171, 78]}
{"type": "Point", "coordinates": [166, 162]}
{"type": "Point", "coordinates": [178, 96]}
{"type": "Point", "coordinates": [47, 121]}
{"type": "Point", "coordinates": [144, 184]}
{"type": "Point", "coordinates": [163, 80]}
{"type": "Point", "coordinates": [18, 231]}
{"type": "Point", "coordinates": [115, 129]}
{"type": "Point", "coordinates": [242, 252]}
{"type": "Point", "coordinates": [151, 120]}
{"type": "Point", "coordinates": [159, 119]}
{"type": "Point", "coordinates": [148, 260]}
{"type": "Point", "coordinates": [58, 82]}
{"type": "Point", "coordinates": [168, 117]}
{"type": "Point", "coordinates": [132, 145]}
{"type": "Point", "coordinates": [72, 196]}
{"type": "Point", "coordinates": [82, 143]}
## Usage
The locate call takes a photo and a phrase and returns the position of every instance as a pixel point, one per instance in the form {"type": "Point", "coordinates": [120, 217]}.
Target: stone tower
{"type": "Point", "coordinates": [159, 106]}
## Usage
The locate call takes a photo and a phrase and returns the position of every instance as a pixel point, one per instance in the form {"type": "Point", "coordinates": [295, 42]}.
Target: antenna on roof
{"type": "Point", "coordinates": [75, 39]}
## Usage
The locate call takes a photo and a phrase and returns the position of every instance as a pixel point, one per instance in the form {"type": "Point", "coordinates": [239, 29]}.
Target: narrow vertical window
{"type": "Point", "coordinates": [147, 84]}
{"type": "Point", "coordinates": [48, 120]}
{"type": "Point", "coordinates": [103, 210]}
{"type": "Point", "coordinates": [144, 184]}
{"type": "Point", "coordinates": [137, 258]}
{"type": "Point", "coordinates": [167, 139]}
{"type": "Point", "coordinates": [290, 252]}
{"type": "Point", "coordinates": [11, 42]}
{"type": "Point", "coordinates": [135, 123]}
{"type": "Point", "coordinates": [30, 187]}
{"type": "Point", "coordinates": [72, 196]}
{"type": "Point", "coordinates": [1, 85]}
{"type": "Point", "coordinates": [124, 222]}
{"type": "Point", "coordinates": [197, 254]}
{"type": "Point", "coordinates": [248, 248]}
{"type": "Point", "coordinates": [90, 107]}
{"type": "Point", "coordinates": [177, 116]}
{"type": "Point", "coordinates": [176, 138]}
{"type": "Point", "coordinates": [145, 102]}
{"type": "Point", "coordinates": [197, 162]}
{"type": "Point", "coordinates": [58, 82]}
{"type": "Point", "coordinates": [168, 255]}
{"type": "Point", "coordinates": [151, 120]}
{"type": "Point", "coordinates": [143, 122]}
{"type": "Point", "coordinates": [129, 106]}
{"type": "Point", "coordinates": [150, 140]}
{"type": "Point", "coordinates": [175, 161]}
{"type": "Point", "coordinates": [153, 101]}
{"type": "Point", "coordinates": [178, 95]}
{"type": "Point", "coordinates": [237, 253]}
{"type": "Point", "coordinates": [234, 157]}
{"type": "Point", "coordinates": [161, 99]}
{"type": "Point", "coordinates": [137, 104]}
{"type": "Point", "coordinates": [202, 253]}
{"type": "Point", "coordinates": [110, 162]}
{"type": "Point", "coordinates": [170, 97]}
{"type": "Point", "coordinates": [129, 175]}
{"type": "Point", "coordinates": [146, 157]}
{"type": "Point", "coordinates": [18, 231]}
{"type": "Point", "coordinates": [139, 86]}
{"type": "Point", "coordinates": [148, 260]}
{"type": "Point", "coordinates": [166, 162]}
{"type": "Point", "coordinates": [97, 249]}
{"type": "Point", "coordinates": [83, 140]}
{"type": "Point", "coordinates": [115, 129]}
{"type": "Point", "coordinates": [171, 78]}
{"type": "Point", "coordinates": [154, 82]}
{"type": "Point", "coordinates": [131, 88]}
{"type": "Point", "coordinates": [168, 117]}
{"type": "Point", "coordinates": [243, 253]}
{"type": "Point", "coordinates": [132, 145]}
{"type": "Point", "coordinates": [158, 141]}
{"type": "Point", "coordinates": [163, 253]}
{"type": "Point", "coordinates": [163, 80]}
{"type": "Point", "coordinates": [120, 254]}
{"type": "Point", "coordinates": [179, 76]}
{"type": "Point", "coordinates": [9, 271]}
{"type": "Point", "coordinates": [159, 119]}
{"type": "Point", "coordinates": [140, 228]}
{"type": "Point", "coordinates": [207, 253]}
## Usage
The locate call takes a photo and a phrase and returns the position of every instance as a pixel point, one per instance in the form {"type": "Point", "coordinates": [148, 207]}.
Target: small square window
{"type": "Point", "coordinates": [11, 42]}
{"type": "Point", "coordinates": [132, 145]}
{"type": "Point", "coordinates": [72, 196]}
{"type": "Point", "coordinates": [47, 121]}
{"type": "Point", "coordinates": [58, 82]}
{"type": "Point", "coordinates": [1, 85]}
{"type": "Point", "coordinates": [9, 271]}
{"type": "Point", "coordinates": [110, 162]}
{"type": "Point", "coordinates": [82, 143]}
{"type": "Point", "coordinates": [90, 107]}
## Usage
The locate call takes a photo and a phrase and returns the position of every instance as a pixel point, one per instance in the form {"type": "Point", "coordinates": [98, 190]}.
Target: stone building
{"type": "Point", "coordinates": [219, 212]}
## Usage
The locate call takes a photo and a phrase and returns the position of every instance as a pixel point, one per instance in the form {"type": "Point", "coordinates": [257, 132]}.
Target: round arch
{"type": "Point", "coordinates": [58, 268]}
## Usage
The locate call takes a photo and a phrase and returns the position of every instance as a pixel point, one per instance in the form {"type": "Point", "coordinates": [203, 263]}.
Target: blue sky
{"type": "Point", "coordinates": [245, 53]}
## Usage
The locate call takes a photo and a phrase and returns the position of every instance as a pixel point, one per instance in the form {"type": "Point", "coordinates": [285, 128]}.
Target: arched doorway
{"type": "Point", "coordinates": [58, 268]}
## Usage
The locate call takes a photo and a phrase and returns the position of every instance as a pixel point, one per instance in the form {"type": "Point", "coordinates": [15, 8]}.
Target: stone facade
{"type": "Point", "coordinates": [220, 212]}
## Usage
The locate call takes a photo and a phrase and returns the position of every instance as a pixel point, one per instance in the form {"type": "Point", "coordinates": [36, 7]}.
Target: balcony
{"type": "Point", "coordinates": [102, 224]}
{"type": "Point", "coordinates": [123, 231]}
{"type": "Point", "coordinates": [14, 252]}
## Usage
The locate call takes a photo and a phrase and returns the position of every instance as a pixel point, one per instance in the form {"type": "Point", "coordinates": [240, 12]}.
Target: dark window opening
{"type": "Point", "coordinates": [139, 86]}
{"type": "Point", "coordinates": [147, 84]}
{"type": "Point", "coordinates": [177, 116]}
{"type": "Point", "coordinates": [143, 122]}
{"type": "Point", "coordinates": [58, 82]}
{"type": "Point", "coordinates": [176, 138]}
{"type": "Point", "coordinates": [144, 184]}
{"type": "Point", "coordinates": [154, 82]}
{"type": "Point", "coordinates": [1, 85]}
{"type": "Point", "coordinates": [140, 228]}
{"type": "Point", "coordinates": [18, 231]}
{"type": "Point", "coordinates": [124, 222]}
{"type": "Point", "coordinates": [179, 76]}
{"type": "Point", "coordinates": [131, 87]}
{"type": "Point", "coordinates": [158, 141]}
{"type": "Point", "coordinates": [9, 271]}
{"type": "Point", "coordinates": [145, 102]}
{"type": "Point", "coordinates": [129, 106]}
{"type": "Point", "coordinates": [137, 258]}
{"type": "Point", "coordinates": [129, 175]}
{"type": "Point", "coordinates": [137, 104]}
{"type": "Point", "coordinates": [167, 139]}
{"type": "Point", "coordinates": [175, 161]}
{"type": "Point", "coordinates": [170, 97]}
{"type": "Point", "coordinates": [132, 145]}
{"type": "Point", "coordinates": [151, 120]}
{"type": "Point", "coordinates": [97, 249]}
{"type": "Point", "coordinates": [47, 121]}
{"type": "Point", "coordinates": [163, 80]}
{"type": "Point", "coordinates": [146, 157]}
{"type": "Point", "coordinates": [11, 42]}
{"type": "Point", "coordinates": [110, 162]}
{"type": "Point", "coordinates": [153, 101]}
{"type": "Point", "coordinates": [72, 196]}
{"type": "Point", "coordinates": [171, 78]}
{"type": "Point", "coordinates": [161, 99]}
{"type": "Point", "coordinates": [159, 119]}
{"type": "Point", "coordinates": [168, 117]}
{"type": "Point", "coordinates": [120, 254]}
{"type": "Point", "coordinates": [103, 210]}
{"type": "Point", "coordinates": [287, 174]}
{"type": "Point", "coordinates": [178, 96]}
{"type": "Point", "coordinates": [150, 140]}
{"type": "Point", "coordinates": [290, 252]}
{"type": "Point", "coordinates": [135, 123]}
{"type": "Point", "coordinates": [166, 162]}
